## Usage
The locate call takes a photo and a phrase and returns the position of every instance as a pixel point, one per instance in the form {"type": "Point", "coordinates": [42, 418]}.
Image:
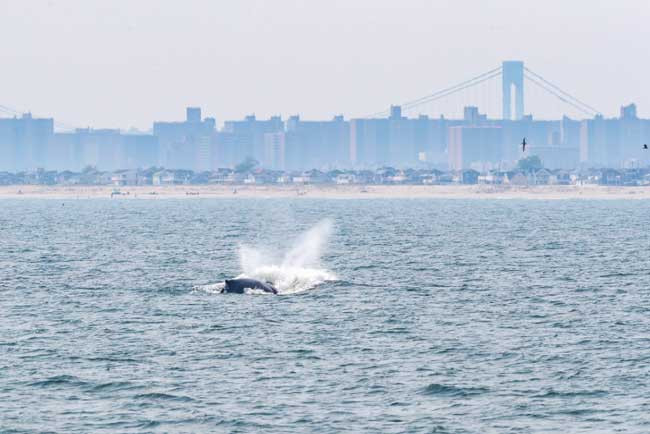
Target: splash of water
{"type": "Point", "coordinates": [299, 270]}
{"type": "Point", "coordinates": [309, 247]}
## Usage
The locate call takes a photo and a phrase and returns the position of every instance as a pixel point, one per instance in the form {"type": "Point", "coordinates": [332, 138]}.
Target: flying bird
{"type": "Point", "coordinates": [523, 145]}
{"type": "Point", "coordinates": [645, 146]}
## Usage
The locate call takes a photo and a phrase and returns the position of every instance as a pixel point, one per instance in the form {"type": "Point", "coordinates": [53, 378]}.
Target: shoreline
{"type": "Point", "coordinates": [541, 192]}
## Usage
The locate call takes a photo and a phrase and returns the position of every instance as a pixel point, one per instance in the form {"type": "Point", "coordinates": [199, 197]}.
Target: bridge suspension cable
{"type": "Point", "coordinates": [451, 92]}
{"type": "Point", "coordinates": [559, 96]}
{"type": "Point", "coordinates": [444, 92]}
{"type": "Point", "coordinates": [9, 110]}
{"type": "Point", "coordinates": [15, 112]}
{"type": "Point", "coordinates": [575, 101]}
{"type": "Point", "coordinates": [464, 84]}
{"type": "Point", "coordinates": [529, 75]}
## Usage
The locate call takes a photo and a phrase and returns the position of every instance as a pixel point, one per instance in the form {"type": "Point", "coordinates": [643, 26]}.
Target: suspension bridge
{"type": "Point", "coordinates": [499, 91]}
{"type": "Point", "coordinates": [504, 84]}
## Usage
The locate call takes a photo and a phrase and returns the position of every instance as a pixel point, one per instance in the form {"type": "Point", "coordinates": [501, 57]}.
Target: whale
{"type": "Point", "coordinates": [239, 286]}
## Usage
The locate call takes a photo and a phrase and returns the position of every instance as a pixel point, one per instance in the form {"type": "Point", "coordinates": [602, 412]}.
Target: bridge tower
{"type": "Point", "coordinates": [513, 74]}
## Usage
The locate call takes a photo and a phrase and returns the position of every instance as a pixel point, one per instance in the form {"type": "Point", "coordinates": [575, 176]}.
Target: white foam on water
{"type": "Point", "coordinates": [299, 270]}
{"type": "Point", "coordinates": [213, 288]}
{"type": "Point", "coordinates": [291, 280]}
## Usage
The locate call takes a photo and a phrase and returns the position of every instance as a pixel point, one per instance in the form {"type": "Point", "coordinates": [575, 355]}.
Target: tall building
{"type": "Point", "coordinates": [631, 136]}
{"type": "Point", "coordinates": [474, 147]}
{"type": "Point", "coordinates": [105, 149]}
{"type": "Point", "coordinates": [472, 116]}
{"type": "Point", "coordinates": [628, 111]}
{"type": "Point", "coordinates": [226, 150]}
{"type": "Point", "coordinates": [369, 142]}
{"type": "Point", "coordinates": [317, 144]}
{"type": "Point", "coordinates": [401, 139]}
{"type": "Point", "coordinates": [24, 142]}
{"type": "Point", "coordinates": [614, 142]}
{"type": "Point", "coordinates": [140, 151]}
{"type": "Point", "coordinates": [431, 139]}
{"type": "Point", "coordinates": [193, 114]}
{"type": "Point", "coordinates": [274, 151]}
{"type": "Point", "coordinates": [187, 144]}
{"type": "Point", "coordinates": [245, 138]}
{"type": "Point", "coordinates": [100, 148]}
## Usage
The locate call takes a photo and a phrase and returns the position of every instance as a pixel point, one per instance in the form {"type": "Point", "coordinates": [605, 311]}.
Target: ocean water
{"type": "Point", "coordinates": [395, 316]}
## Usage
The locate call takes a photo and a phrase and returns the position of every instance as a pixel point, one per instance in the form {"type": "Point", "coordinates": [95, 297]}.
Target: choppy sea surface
{"type": "Point", "coordinates": [395, 316]}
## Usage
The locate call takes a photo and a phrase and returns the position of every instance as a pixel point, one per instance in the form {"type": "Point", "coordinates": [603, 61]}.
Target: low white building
{"type": "Point", "coordinates": [124, 177]}
{"type": "Point", "coordinates": [302, 179]}
{"type": "Point", "coordinates": [346, 178]}
{"type": "Point", "coordinates": [164, 178]}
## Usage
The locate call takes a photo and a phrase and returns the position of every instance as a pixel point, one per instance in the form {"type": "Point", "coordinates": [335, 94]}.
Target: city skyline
{"type": "Point", "coordinates": [134, 70]}
{"type": "Point", "coordinates": [509, 80]}
{"type": "Point", "coordinates": [448, 108]}
{"type": "Point", "coordinates": [195, 143]}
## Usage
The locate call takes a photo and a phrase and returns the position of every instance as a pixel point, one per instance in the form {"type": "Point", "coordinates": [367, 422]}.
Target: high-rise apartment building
{"type": "Point", "coordinates": [186, 144]}
{"type": "Point", "coordinates": [24, 142]}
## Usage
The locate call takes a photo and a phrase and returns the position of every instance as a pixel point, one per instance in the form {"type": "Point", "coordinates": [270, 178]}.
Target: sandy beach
{"type": "Point", "coordinates": [326, 192]}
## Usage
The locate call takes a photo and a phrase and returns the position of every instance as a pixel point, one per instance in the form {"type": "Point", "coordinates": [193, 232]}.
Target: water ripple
{"type": "Point", "coordinates": [447, 316]}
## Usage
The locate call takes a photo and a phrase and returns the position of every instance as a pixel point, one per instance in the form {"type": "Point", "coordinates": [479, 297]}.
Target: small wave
{"type": "Point", "coordinates": [578, 411]}
{"type": "Point", "coordinates": [365, 267]}
{"type": "Point", "coordinates": [59, 380]}
{"type": "Point", "coordinates": [551, 393]}
{"type": "Point", "coordinates": [114, 386]}
{"type": "Point", "coordinates": [619, 274]}
{"type": "Point", "coordinates": [149, 424]}
{"type": "Point", "coordinates": [435, 389]}
{"type": "Point", "coordinates": [112, 359]}
{"type": "Point", "coordinates": [163, 396]}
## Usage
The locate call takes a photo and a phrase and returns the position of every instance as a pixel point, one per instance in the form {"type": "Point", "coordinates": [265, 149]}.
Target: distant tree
{"type": "Point", "coordinates": [247, 165]}
{"type": "Point", "coordinates": [334, 173]}
{"type": "Point", "coordinates": [530, 164]}
{"type": "Point", "coordinates": [200, 178]}
{"type": "Point", "coordinates": [89, 169]}
{"type": "Point", "coordinates": [387, 171]}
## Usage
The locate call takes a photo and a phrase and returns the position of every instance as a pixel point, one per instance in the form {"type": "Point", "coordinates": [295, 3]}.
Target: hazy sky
{"type": "Point", "coordinates": [127, 63]}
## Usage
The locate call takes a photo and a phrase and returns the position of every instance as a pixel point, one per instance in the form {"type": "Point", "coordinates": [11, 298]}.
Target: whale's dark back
{"type": "Point", "coordinates": [238, 286]}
